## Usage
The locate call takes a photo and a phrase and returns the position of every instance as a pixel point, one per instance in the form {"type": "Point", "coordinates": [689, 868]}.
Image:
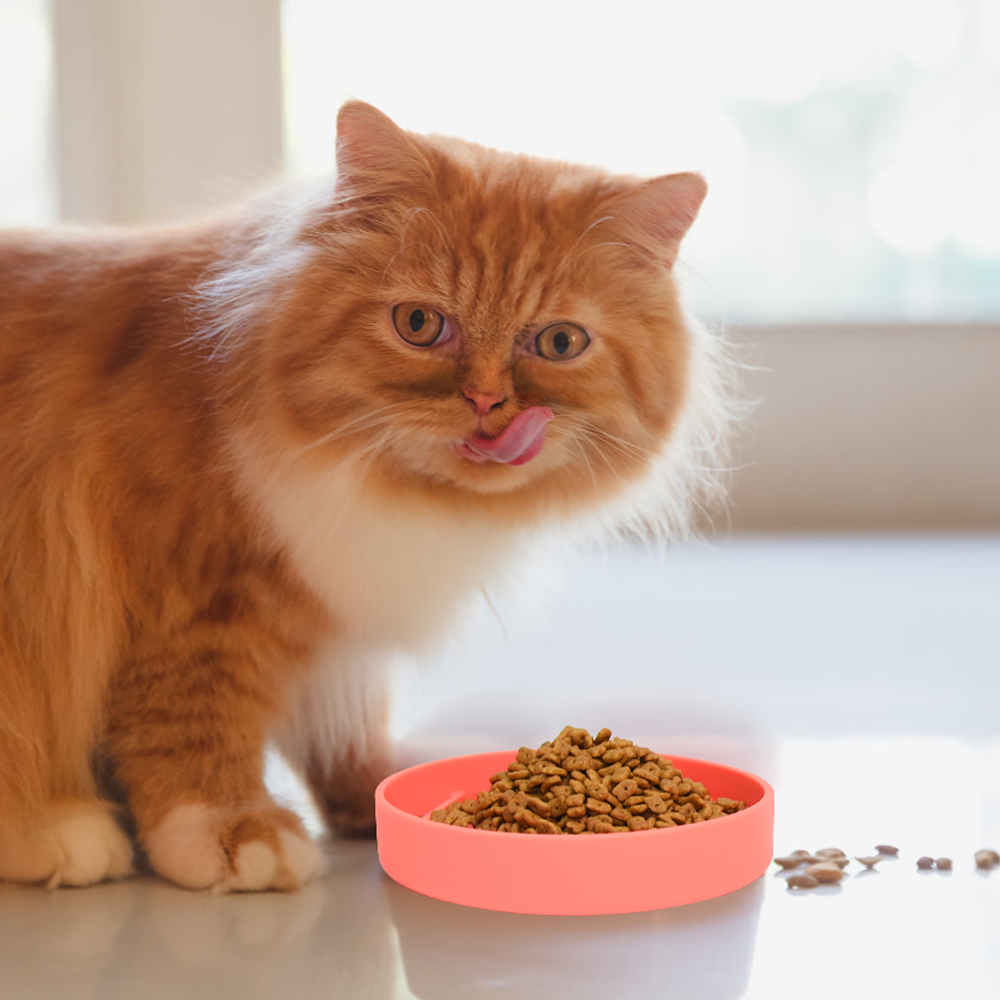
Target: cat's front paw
{"type": "Point", "coordinates": [227, 849]}
{"type": "Point", "coordinates": [76, 843]}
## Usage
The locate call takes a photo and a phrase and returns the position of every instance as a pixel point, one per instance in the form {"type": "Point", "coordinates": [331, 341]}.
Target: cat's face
{"type": "Point", "coordinates": [476, 322]}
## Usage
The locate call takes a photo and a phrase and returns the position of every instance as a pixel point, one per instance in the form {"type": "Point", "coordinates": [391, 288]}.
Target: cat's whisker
{"type": "Point", "coordinates": [565, 261]}
{"type": "Point", "coordinates": [411, 215]}
{"type": "Point", "coordinates": [359, 424]}
{"type": "Point", "coordinates": [589, 437]}
{"type": "Point", "coordinates": [370, 453]}
{"type": "Point", "coordinates": [590, 468]}
{"type": "Point", "coordinates": [434, 218]}
{"type": "Point", "coordinates": [626, 447]}
{"type": "Point", "coordinates": [606, 243]}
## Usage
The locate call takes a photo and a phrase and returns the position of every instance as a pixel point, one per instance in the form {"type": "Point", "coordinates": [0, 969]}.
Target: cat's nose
{"type": "Point", "coordinates": [483, 401]}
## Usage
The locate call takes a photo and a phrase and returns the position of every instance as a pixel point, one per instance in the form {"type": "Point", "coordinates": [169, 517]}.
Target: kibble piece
{"type": "Point", "coordinates": [987, 859]}
{"type": "Point", "coordinates": [887, 850]}
{"type": "Point", "coordinates": [792, 861]}
{"type": "Point", "coordinates": [796, 858]}
{"type": "Point", "coordinates": [624, 789]}
{"type": "Point", "coordinates": [648, 771]}
{"type": "Point", "coordinates": [870, 861]}
{"type": "Point", "coordinates": [541, 807]}
{"type": "Point", "coordinates": [731, 805]}
{"type": "Point", "coordinates": [943, 864]}
{"type": "Point", "coordinates": [828, 853]}
{"type": "Point", "coordinates": [825, 872]}
{"type": "Point", "coordinates": [925, 862]}
{"type": "Point", "coordinates": [799, 881]}
{"type": "Point", "coordinates": [656, 803]}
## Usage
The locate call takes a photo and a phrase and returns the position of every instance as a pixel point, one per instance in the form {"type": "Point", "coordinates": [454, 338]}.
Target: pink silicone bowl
{"type": "Point", "coordinates": [568, 875]}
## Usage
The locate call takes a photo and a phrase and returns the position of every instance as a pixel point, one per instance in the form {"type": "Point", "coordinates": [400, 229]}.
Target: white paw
{"type": "Point", "coordinates": [226, 850]}
{"type": "Point", "coordinates": [85, 845]}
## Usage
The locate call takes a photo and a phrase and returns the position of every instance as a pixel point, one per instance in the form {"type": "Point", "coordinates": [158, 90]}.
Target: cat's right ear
{"type": "Point", "coordinates": [659, 212]}
{"type": "Point", "coordinates": [372, 150]}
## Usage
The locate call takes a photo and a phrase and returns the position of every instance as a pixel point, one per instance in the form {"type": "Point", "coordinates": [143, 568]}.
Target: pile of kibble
{"type": "Point", "coordinates": [578, 783]}
{"type": "Point", "coordinates": [828, 864]}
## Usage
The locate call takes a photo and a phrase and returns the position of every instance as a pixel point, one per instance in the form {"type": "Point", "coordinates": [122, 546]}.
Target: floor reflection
{"type": "Point", "coordinates": [357, 934]}
{"type": "Point", "coordinates": [704, 949]}
{"type": "Point", "coordinates": [333, 938]}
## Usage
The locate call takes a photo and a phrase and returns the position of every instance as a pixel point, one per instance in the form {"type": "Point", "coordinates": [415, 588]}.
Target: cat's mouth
{"type": "Point", "coordinates": [520, 442]}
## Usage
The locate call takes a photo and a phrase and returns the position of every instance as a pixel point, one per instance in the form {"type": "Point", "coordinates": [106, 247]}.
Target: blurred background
{"type": "Point", "coordinates": [841, 621]}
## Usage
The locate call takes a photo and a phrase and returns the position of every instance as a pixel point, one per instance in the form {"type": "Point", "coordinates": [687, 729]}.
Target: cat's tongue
{"type": "Point", "coordinates": [520, 442]}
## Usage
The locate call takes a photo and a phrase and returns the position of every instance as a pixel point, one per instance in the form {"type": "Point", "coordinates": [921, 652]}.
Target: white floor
{"type": "Point", "coordinates": [860, 677]}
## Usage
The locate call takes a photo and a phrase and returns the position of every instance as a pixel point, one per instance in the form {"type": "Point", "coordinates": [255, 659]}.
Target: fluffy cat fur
{"type": "Point", "coordinates": [226, 482]}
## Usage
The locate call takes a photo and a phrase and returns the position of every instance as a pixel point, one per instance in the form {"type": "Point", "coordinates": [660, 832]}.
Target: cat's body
{"type": "Point", "coordinates": [224, 460]}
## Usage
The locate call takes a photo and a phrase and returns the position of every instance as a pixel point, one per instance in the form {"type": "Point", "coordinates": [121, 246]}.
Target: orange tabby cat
{"type": "Point", "coordinates": [241, 459]}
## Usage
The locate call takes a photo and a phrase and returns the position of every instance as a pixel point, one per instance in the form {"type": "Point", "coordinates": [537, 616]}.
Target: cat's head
{"type": "Point", "coordinates": [489, 329]}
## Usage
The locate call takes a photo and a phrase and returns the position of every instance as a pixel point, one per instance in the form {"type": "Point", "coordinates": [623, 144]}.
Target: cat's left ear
{"type": "Point", "coordinates": [662, 210]}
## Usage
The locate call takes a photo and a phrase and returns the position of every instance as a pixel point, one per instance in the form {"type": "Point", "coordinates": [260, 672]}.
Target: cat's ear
{"type": "Point", "coordinates": [373, 149]}
{"type": "Point", "coordinates": [661, 211]}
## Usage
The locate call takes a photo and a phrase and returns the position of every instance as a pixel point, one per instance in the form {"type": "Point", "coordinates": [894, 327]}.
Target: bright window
{"type": "Point", "coordinates": [27, 191]}
{"type": "Point", "coordinates": [852, 148]}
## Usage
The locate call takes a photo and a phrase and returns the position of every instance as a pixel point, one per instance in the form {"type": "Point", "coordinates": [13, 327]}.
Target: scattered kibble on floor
{"type": "Point", "coordinates": [869, 861]}
{"type": "Point", "coordinates": [801, 882]}
{"type": "Point", "coordinates": [828, 863]}
{"type": "Point", "coordinates": [825, 871]}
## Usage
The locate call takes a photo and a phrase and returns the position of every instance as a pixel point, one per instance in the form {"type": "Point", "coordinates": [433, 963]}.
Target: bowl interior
{"type": "Point", "coordinates": [426, 787]}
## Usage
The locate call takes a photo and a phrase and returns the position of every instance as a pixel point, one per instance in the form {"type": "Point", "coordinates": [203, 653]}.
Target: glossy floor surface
{"type": "Point", "coordinates": [860, 677]}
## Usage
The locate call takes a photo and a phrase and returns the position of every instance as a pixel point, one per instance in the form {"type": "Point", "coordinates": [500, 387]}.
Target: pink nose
{"type": "Point", "coordinates": [483, 401]}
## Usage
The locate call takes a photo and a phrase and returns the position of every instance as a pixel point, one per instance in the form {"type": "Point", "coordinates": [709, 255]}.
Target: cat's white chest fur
{"type": "Point", "coordinates": [392, 575]}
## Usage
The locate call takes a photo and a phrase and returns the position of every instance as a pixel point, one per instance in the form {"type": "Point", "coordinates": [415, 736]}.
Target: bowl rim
{"type": "Point", "coordinates": [401, 815]}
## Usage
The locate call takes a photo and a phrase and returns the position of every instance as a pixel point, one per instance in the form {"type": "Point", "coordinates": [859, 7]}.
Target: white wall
{"type": "Point", "coordinates": [871, 428]}
{"type": "Point", "coordinates": [164, 107]}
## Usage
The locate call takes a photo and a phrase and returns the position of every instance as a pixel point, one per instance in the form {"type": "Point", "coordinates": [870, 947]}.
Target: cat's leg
{"type": "Point", "coordinates": [53, 827]}
{"type": "Point", "coordinates": [187, 731]}
{"type": "Point", "coordinates": [336, 736]}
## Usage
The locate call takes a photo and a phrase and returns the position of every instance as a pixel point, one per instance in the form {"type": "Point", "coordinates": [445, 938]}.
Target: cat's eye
{"type": "Point", "coordinates": [417, 323]}
{"type": "Point", "coordinates": [561, 341]}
